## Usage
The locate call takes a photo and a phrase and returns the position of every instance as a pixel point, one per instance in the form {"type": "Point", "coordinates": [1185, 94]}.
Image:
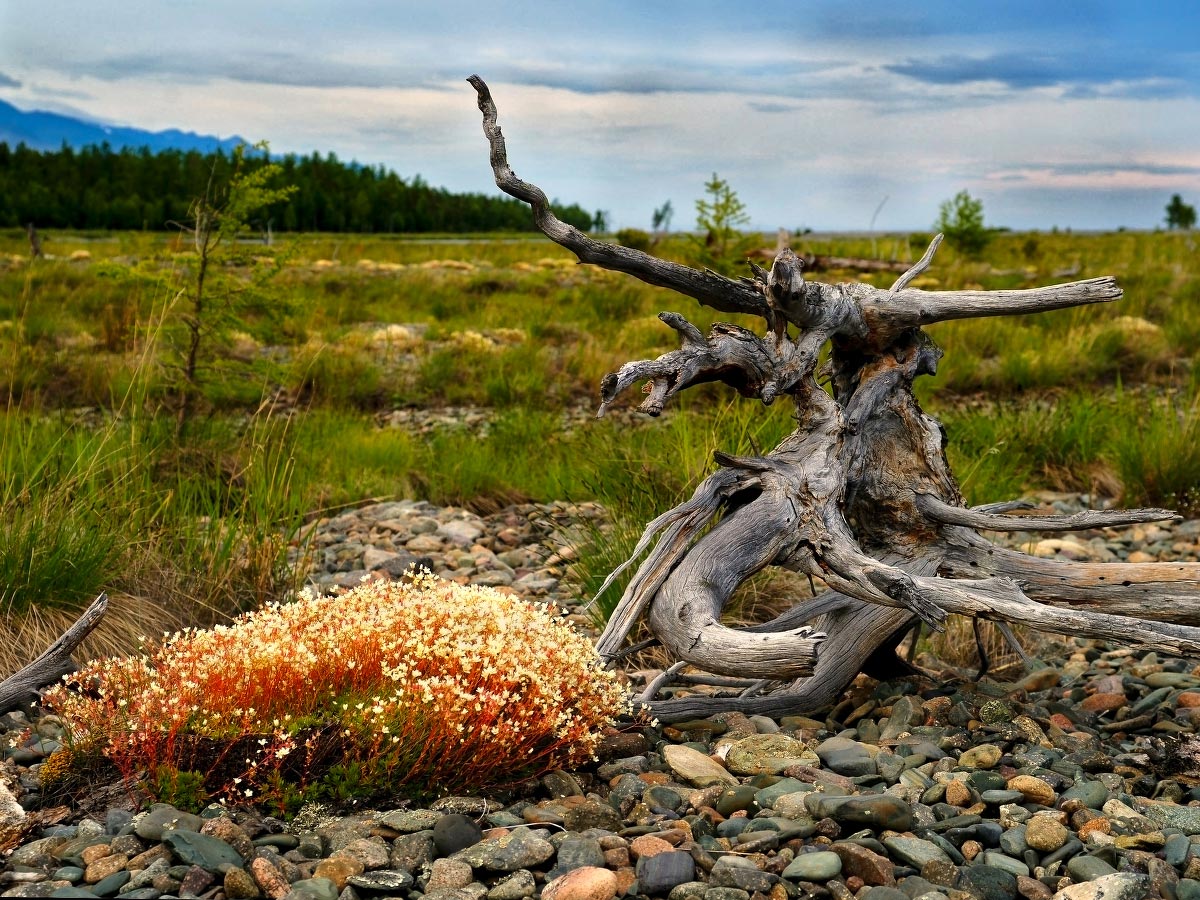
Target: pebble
{"type": "Point", "coordinates": [820, 865]}
{"type": "Point", "coordinates": [453, 832]}
{"type": "Point", "coordinates": [1044, 834]}
{"type": "Point", "coordinates": [586, 883]}
{"type": "Point", "coordinates": [696, 768]}
{"type": "Point", "coordinates": [1033, 789]}
{"type": "Point", "coordinates": [527, 547]}
{"type": "Point", "coordinates": [659, 873]}
{"type": "Point", "coordinates": [519, 849]}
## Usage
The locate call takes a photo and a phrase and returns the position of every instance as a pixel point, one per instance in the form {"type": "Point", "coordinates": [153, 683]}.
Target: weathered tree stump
{"type": "Point", "coordinates": [860, 495]}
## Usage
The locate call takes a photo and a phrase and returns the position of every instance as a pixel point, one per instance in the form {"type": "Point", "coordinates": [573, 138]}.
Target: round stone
{"type": "Point", "coordinates": [767, 754]}
{"type": "Point", "coordinates": [736, 799]}
{"type": "Point", "coordinates": [1091, 794]}
{"type": "Point", "coordinates": [449, 873]}
{"type": "Point", "coordinates": [819, 866]}
{"type": "Point", "coordinates": [315, 889]}
{"type": "Point", "coordinates": [268, 878]}
{"type": "Point", "coordinates": [958, 794]}
{"type": "Point", "coordinates": [517, 886]}
{"type": "Point", "coordinates": [162, 816]}
{"type": "Point", "coordinates": [240, 886]}
{"type": "Point", "coordinates": [696, 768]}
{"type": "Point", "coordinates": [1088, 868]}
{"type": "Point", "coordinates": [648, 845]}
{"type": "Point", "coordinates": [454, 832]}
{"type": "Point", "coordinates": [1033, 789]}
{"type": "Point", "coordinates": [985, 756]}
{"type": "Point", "coordinates": [338, 869]}
{"type": "Point", "coordinates": [660, 873]}
{"type": "Point", "coordinates": [1102, 703]}
{"type": "Point", "coordinates": [998, 798]}
{"type": "Point", "coordinates": [990, 882]}
{"type": "Point", "coordinates": [1044, 834]}
{"type": "Point", "coordinates": [994, 712]}
{"type": "Point", "coordinates": [225, 829]}
{"type": "Point", "coordinates": [847, 757]}
{"type": "Point", "coordinates": [586, 883]}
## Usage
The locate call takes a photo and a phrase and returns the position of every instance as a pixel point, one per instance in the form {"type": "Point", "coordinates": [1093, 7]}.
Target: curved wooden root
{"type": "Point", "coordinates": [845, 568]}
{"type": "Point", "coordinates": [686, 614]}
{"type": "Point", "coordinates": [678, 527]}
{"type": "Point", "coordinates": [856, 630]}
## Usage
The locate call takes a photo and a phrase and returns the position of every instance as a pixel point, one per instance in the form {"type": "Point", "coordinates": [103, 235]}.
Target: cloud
{"type": "Point", "coordinates": [1100, 176]}
{"type": "Point", "coordinates": [772, 107]}
{"type": "Point", "coordinates": [1086, 74]}
{"type": "Point", "coordinates": [55, 93]}
{"type": "Point", "coordinates": [563, 69]}
{"type": "Point", "coordinates": [813, 111]}
{"type": "Point", "coordinates": [7, 81]}
{"type": "Point", "coordinates": [1144, 89]}
{"type": "Point", "coordinates": [268, 67]}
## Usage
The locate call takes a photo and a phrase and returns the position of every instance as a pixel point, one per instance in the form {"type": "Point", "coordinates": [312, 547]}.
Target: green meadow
{"type": "Point", "coordinates": [308, 344]}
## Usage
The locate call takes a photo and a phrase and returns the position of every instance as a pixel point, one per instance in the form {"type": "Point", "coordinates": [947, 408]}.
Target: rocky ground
{"type": "Point", "coordinates": [1080, 779]}
{"type": "Point", "coordinates": [529, 547]}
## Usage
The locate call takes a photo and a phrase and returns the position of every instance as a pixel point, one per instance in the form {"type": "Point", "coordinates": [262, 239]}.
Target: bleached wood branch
{"type": "Point", "coordinates": [919, 266]}
{"type": "Point", "coordinates": [860, 495]}
{"type": "Point", "coordinates": [23, 686]}
{"type": "Point", "coordinates": [948, 514]}
{"type": "Point", "coordinates": [730, 354]}
{"type": "Point", "coordinates": [707, 287]}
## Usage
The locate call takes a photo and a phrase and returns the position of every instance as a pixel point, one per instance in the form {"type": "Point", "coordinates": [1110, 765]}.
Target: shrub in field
{"type": "Point", "coordinates": [961, 220]}
{"type": "Point", "coordinates": [411, 688]}
{"type": "Point", "coordinates": [635, 239]}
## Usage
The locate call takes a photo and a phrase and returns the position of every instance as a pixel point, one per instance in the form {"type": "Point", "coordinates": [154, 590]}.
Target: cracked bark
{"type": "Point", "coordinates": [860, 494]}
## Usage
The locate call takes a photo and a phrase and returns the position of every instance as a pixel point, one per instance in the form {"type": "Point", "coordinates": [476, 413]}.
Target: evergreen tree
{"type": "Point", "coordinates": [1180, 214]}
{"type": "Point", "coordinates": [97, 187]}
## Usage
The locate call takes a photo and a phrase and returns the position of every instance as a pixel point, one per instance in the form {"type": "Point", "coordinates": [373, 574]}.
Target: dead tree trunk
{"type": "Point", "coordinates": [860, 495]}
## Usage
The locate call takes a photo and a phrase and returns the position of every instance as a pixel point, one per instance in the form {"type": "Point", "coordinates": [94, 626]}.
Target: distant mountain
{"type": "Point", "coordinates": [49, 131]}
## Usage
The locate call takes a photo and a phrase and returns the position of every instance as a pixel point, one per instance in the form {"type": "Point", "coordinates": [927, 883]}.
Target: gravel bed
{"type": "Point", "coordinates": [1080, 779]}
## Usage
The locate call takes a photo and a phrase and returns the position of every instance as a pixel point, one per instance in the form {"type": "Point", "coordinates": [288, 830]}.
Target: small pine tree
{"type": "Point", "coordinates": [1180, 214]}
{"type": "Point", "coordinates": [215, 220]}
{"type": "Point", "coordinates": [719, 214]}
{"type": "Point", "coordinates": [961, 221]}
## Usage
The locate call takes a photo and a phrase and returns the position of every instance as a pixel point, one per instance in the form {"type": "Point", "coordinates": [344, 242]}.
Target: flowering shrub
{"type": "Point", "coordinates": [392, 687]}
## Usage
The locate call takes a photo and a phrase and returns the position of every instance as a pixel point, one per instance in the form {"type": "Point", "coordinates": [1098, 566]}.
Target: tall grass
{"type": "Point", "coordinates": [1159, 460]}
{"type": "Point", "coordinates": [109, 499]}
{"type": "Point", "coordinates": [1140, 446]}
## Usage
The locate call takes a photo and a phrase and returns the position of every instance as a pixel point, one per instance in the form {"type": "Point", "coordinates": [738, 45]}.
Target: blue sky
{"type": "Point", "coordinates": [1076, 114]}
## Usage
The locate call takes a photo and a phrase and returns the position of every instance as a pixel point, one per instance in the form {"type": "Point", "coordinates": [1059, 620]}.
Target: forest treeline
{"type": "Point", "coordinates": [98, 187]}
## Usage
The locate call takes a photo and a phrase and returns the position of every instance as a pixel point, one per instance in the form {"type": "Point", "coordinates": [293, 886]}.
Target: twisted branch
{"type": "Point", "coordinates": [709, 288]}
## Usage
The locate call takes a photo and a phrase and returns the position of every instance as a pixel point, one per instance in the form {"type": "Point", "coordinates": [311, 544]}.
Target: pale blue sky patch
{"type": "Point", "coordinates": [1080, 114]}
